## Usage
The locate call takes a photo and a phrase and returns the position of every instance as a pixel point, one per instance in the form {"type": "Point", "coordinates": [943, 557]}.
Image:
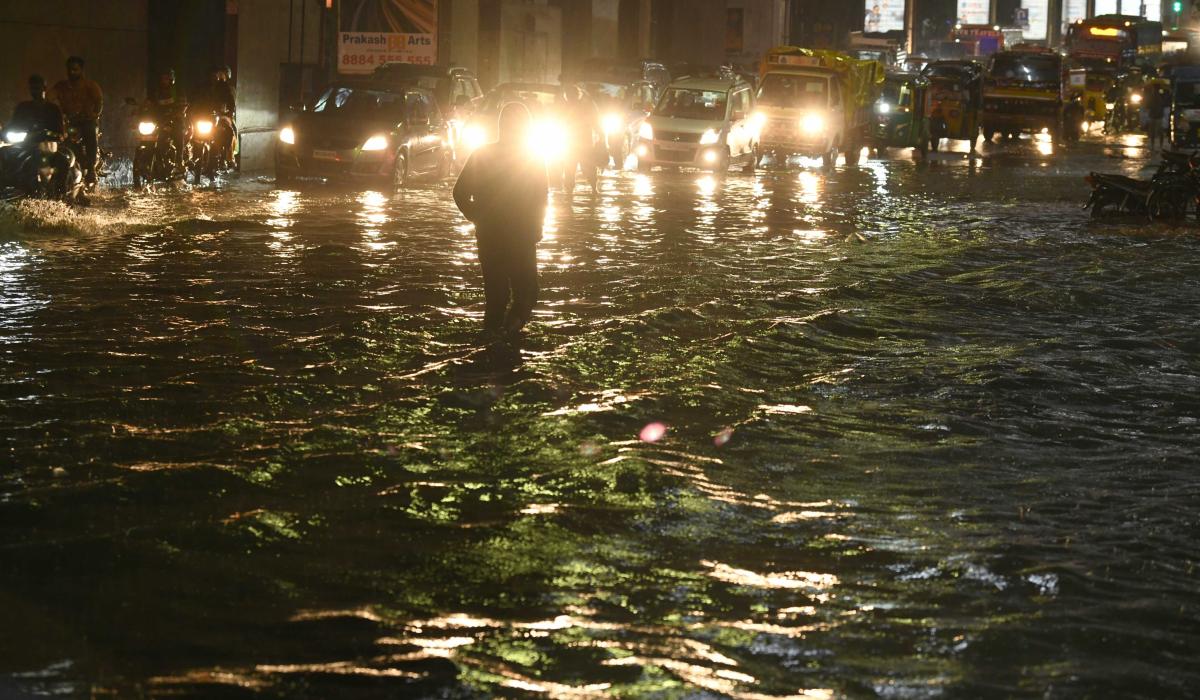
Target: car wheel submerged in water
{"type": "Point", "coordinates": [400, 171]}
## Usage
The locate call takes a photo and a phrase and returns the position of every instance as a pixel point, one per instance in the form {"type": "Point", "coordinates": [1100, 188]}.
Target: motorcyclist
{"type": "Point", "coordinates": [38, 119]}
{"type": "Point", "coordinates": [170, 110]}
{"type": "Point", "coordinates": [218, 96]}
{"type": "Point", "coordinates": [82, 102]}
{"type": "Point", "coordinates": [582, 120]}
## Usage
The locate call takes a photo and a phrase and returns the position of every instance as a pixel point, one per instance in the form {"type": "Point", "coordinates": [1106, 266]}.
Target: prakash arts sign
{"type": "Point", "coordinates": [374, 32]}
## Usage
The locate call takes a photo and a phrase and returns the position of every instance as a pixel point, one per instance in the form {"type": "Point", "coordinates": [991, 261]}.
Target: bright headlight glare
{"type": "Point", "coordinates": [812, 124]}
{"type": "Point", "coordinates": [548, 140]}
{"type": "Point", "coordinates": [376, 143]}
{"type": "Point", "coordinates": [16, 136]}
{"type": "Point", "coordinates": [758, 120]}
{"type": "Point", "coordinates": [1110, 106]}
{"type": "Point", "coordinates": [884, 108]}
{"type": "Point", "coordinates": [709, 137]}
{"type": "Point", "coordinates": [287, 135]}
{"type": "Point", "coordinates": [204, 127]}
{"type": "Point", "coordinates": [1135, 98]}
{"type": "Point", "coordinates": [612, 123]}
{"type": "Point", "coordinates": [146, 128]}
{"type": "Point", "coordinates": [474, 136]}
{"type": "Point", "coordinates": [646, 131]}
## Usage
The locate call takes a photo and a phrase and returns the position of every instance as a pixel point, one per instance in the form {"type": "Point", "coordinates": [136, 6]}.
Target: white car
{"type": "Point", "coordinates": [705, 123]}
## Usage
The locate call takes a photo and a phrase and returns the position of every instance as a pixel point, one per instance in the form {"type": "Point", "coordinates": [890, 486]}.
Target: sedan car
{"type": "Point", "coordinates": [366, 131]}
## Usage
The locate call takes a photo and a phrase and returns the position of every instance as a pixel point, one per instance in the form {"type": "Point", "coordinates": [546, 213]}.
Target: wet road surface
{"type": "Point", "coordinates": [901, 430]}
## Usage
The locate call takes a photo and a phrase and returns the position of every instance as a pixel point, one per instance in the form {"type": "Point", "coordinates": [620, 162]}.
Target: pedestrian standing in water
{"type": "Point", "coordinates": [502, 190]}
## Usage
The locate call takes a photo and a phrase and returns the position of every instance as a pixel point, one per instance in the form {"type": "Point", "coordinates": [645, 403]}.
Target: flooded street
{"type": "Point", "coordinates": [901, 430]}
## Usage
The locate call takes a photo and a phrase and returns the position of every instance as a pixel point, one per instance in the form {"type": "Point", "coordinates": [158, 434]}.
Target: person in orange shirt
{"type": "Point", "coordinates": [82, 102]}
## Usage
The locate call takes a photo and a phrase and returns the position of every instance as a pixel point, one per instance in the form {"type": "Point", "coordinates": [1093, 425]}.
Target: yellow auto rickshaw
{"type": "Point", "coordinates": [1093, 82]}
{"type": "Point", "coordinates": [901, 116]}
{"type": "Point", "coordinates": [956, 101]}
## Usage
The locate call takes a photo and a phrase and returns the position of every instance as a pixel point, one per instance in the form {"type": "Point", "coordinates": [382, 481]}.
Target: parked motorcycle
{"type": "Point", "coordinates": [1171, 194]}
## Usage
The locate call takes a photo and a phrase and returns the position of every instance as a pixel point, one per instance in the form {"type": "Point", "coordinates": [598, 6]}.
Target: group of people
{"type": "Point", "coordinates": [75, 104]}
{"type": "Point", "coordinates": [171, 107]}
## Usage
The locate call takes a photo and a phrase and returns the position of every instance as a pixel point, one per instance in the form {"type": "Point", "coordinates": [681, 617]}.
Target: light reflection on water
{"type": "Point", "coordinates": [922, 461]}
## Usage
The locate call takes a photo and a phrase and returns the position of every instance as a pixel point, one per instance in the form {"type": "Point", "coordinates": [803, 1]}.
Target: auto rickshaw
{"type": "Point", "coordinates": [956, 100]}
{"type": "Point", "coordinates": [1093, 81]}
{"type": "Point", "coordinates": [902, 114]}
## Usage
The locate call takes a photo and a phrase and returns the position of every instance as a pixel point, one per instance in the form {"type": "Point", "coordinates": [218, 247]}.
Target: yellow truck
{"type": "Point", "coordinates": [816, 103]}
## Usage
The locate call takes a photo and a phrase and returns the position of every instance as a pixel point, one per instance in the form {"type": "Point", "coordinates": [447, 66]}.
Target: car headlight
{"type": "Point", "coordinates": [548, 140]}
{"type": "Point", "coordinates": [287, 135]}
{"type": "Point", "coordinates": [1135, 99]}
{"type": "Point", "coordinates": [474, 136]}
{"type": "Point", "coordinates": [883, 108]}
{"type": "Point", "coordinates": [709, 137]}
{"type": "Point", "coordinates": [146, 128]}
{"type": "Point", "coordinates": [377, 142]}
{"type": "Point", "coordinates": [813, 124]}
{"type": "Point", "coordinates": [757, 121]}
{"type": "Point", "coordinates": [612, 123]}
{"type": "Point", "coordinates": [204, 127]}
{"type": "Point", "coordinates": [15, 136]}
{"type": "Point", "coordinates": [1110, 106]}
{"type": "Point", "coordinates": [646, 131]}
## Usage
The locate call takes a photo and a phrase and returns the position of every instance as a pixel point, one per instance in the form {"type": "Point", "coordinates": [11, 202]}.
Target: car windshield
{"type": "Point", "coordinates": [685, 103]}
{"type": "Point", "coordinates": [794, 91]}
{"type": "Point", "coordinates": [606, 94]}
{"type": "Point", "coordinates": [360, 102]}
{"type": "Point", "coordinates": [534, 98]}
{"type": "Point", "coordinates": [1026, 69]}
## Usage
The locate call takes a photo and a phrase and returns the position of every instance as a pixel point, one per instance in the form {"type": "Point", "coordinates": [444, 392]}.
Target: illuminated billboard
{"type": "Point", "coordinates": [975, 12]}
{"type": "Point", "coordinates": [1039, 16]}
{"type": "Point", "coordinates": [883, 16]}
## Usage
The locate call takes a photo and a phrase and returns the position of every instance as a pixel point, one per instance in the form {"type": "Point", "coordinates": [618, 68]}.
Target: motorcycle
{"type": "Point", "coordinates": [36, 166]}
{"type": "Point", "coordinates": [74, 142]}
{"type": "Point", "coordinates": [202, 152]}
{"type": "Point", "coordinates": [1170, 194]}
{"type": "Point", "coordinates": [158, 156]}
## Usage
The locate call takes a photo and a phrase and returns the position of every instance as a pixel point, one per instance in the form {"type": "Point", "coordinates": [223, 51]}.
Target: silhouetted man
{"type": "Point", "coordinates": [37, 113]}
{"type": "Point", "coordinates": [82, 102]}
{"type": "Point", "coordinates": [502, 190]}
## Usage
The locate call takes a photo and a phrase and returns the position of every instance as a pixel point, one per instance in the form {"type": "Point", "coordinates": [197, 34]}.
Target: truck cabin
{"type": "Point", "coordinates": [799, 91]}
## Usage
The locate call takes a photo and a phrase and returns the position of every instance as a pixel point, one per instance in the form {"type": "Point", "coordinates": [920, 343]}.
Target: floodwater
{"type": "Point", "coordinates": [900, 430]}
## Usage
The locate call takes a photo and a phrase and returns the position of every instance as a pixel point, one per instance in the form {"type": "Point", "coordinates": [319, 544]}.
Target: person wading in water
{"type": "Point", "coordinates": [503, 190]}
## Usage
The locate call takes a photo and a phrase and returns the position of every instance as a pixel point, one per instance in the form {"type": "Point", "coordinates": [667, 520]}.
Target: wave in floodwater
{"type": "Point", "coordinates": [901, 430]}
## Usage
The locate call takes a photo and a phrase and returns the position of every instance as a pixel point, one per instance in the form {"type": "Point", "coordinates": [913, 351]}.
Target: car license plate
{"type": "Point", "coordinates": [325, 155]}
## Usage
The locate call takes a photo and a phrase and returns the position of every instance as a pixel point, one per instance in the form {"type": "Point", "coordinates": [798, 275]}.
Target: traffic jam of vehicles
{"type": "Point", "coordinates": [802, 107]}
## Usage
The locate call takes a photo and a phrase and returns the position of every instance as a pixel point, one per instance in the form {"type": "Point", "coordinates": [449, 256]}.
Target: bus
{"type": "Point", "coordinates": [1120, 40]}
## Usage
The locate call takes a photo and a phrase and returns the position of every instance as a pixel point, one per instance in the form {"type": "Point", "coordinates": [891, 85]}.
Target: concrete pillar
{"type": "Point", "coordinates": [262, 49]}
{"type": "Point", "coordinates": [464, 33]}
